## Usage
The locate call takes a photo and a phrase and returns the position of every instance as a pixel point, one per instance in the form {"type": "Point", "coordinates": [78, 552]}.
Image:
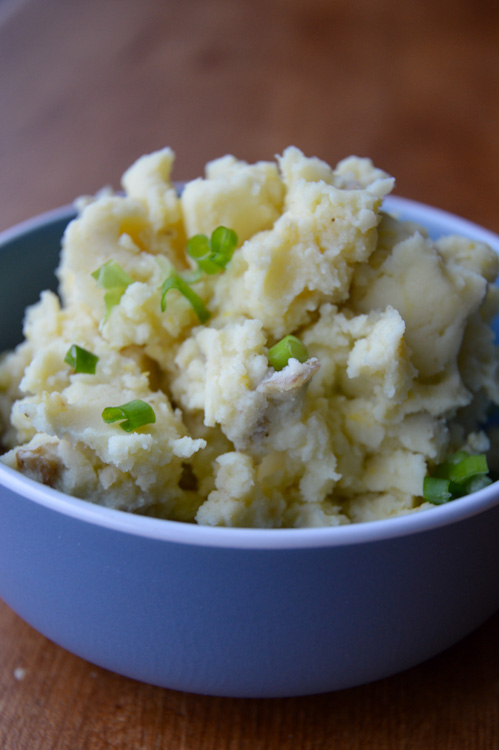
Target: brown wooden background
{"type": "Point", "coordinates": [86, 86]}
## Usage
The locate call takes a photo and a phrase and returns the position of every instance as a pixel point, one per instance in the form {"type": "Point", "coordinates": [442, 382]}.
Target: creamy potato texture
{"type": "Point", "coordinates": [401, 363]}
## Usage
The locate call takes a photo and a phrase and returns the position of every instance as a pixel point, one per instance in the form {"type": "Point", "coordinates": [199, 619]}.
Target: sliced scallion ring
{"type": "Point", "coordinates": [112, 276]}
{"type": "Point", "coordinates": [131, 415]}
{"type": "Point", "coordinates": [468, 467]}
{"type": "Point", "coordinates": [461, 474]}
{"type": "Point", "coordinates": [212, 254]}
{"type": "Point", "coordinates": [437, 490]}
{"type": "Point", "coordinates": [114, 279]}
{"type": "Point", "coordinates": [81, 360]}
{"type": "Point", "coordinates": [287, 348]}
{"type": "Point", "coordinates": [175, 282]}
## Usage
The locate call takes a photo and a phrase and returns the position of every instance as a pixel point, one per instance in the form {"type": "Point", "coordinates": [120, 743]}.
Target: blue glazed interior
{"type": "Point", "coordinates": [27, 264]}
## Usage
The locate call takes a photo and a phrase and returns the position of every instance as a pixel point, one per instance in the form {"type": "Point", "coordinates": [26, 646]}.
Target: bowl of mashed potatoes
{"type": "Point", "coordinates": [245, 426]}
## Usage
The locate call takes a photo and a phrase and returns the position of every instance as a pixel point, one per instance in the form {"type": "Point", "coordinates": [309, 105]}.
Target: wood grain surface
{"type": "Point", "coordinates": [86, 87]}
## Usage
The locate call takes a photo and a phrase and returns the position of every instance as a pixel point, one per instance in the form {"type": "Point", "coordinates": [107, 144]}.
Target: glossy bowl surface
{"type": "Point", "coordinates": [237, 612]}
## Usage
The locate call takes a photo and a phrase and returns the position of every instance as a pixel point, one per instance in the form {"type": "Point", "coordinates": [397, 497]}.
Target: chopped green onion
{"type": "Point", "coordinates": [191, 277]}
{"type": "Point", "coordinates": [175, 282]}
{"type": "Point", "coordinates": [477, 483]}
{"type": "Point", "coordinates": [112, 298]}
{"type": "Point", "coordinates": [223, 244]}
{"type": "Point", "coordinates": [285, 349]}
{"type": "Point", "coordinates": [198, 246]}
{"type": "Point", "coordinates": [436, 490]}
{"type": "Point", "coordinates": [81, 360]}
{"type": "Point", "coordinates": [468, 467]}
{"type": "Point", "coordinates": [212, 254]}
{"type": "Point", "coordinates": [112, 277]}
{"type": "Point", "coordinates": [443, 470]}
{"type": "Point", "coordinates": [459, 475]}
{"type": "Point", "coordinates": [134, 414]}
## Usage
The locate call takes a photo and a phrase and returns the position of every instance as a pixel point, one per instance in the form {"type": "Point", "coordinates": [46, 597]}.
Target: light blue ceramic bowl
{"type": "Point", "coordinates": [236, 612]}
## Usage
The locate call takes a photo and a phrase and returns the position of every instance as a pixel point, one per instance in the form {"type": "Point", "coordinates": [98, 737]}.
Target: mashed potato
{"type": "Point", "coordinates": [399, 371]}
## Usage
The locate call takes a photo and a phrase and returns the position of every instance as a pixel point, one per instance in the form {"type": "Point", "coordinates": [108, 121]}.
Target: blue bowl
{"type": "Point", "coordinates": [236, 612]}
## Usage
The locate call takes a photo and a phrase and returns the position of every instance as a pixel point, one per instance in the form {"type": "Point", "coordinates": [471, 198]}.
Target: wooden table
{"type": "Point", "coordinates": [85, 88]}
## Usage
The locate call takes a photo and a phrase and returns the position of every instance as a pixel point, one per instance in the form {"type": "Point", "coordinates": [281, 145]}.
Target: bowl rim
{"type": "Point", "coordinates": [180, 532]}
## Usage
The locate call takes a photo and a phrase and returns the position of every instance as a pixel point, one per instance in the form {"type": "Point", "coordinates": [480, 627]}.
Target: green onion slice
{"type": "Point", "coordinates": [437, 490]}
{"type": "Point", "coordinates": [212, 254]}
{"type": "Point", "coordinates": [191, 277]}
{"type": "Point", "coordinates": [112, 298]}
{"type": "Point", "coordinates": [81, 360]}
{"type": "Point", "coordinates": [223, 244]}
{"type": "Point", "coordinates": [477, 483]}
{"type": "Point", "coordinates": [459, 475]}
{"type": "Point", "coordinates": [198, 246]}
{"type": "Point", "coordinates": [134, 414]}
{"type": "Point", "coordinates": [285, 349]}
{"type": "Point", "coordinates": [112, 276]}
{"type": "Point", "coordinates": [443, 470]}
{"type": "Point", "coordinates": [468, 467]}
{"type": "Point", "coordinates": [175, 282]}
